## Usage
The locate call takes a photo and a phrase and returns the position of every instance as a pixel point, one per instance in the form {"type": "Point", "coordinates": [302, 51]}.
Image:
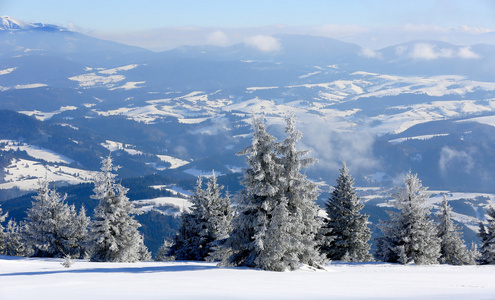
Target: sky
{"type": "Point", "coordinates": [161, 25]}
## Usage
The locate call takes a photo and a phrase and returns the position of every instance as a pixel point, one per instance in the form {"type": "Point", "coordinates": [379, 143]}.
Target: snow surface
{"type": "Point", "coordinates": [114, 146]}
{"type": "Point", "coordinates": [35, 151]}
{"type": "Point", "coordinates": [93, 80]}
{"type": "Point", "coordinates": [129, 85]}
{"type": "Point", "coordinates": [175, 162]}
{"type": "Point", "coordinates": [203, 173]}
{"type": "Point", "coordinates": [146, 205]}
{"type": "Point", "coordinates": [118, 69]}
{"type": "Point", "coordinates": [29, 86]}
{"type": "Point", "coordinates": [419, 137]}
{"type": "Point", "coordinates": [7, 71]}
{"type": "Point", "coordinates": [25, 174]}
{"type": "Point", "coordinates": [43, 116]}
{"type": "Point", "coordinates": [44, 278]}
{"type": "Point", "coordinates": [488, 120]}
{"type": "Point", "coordinates": [198, 106]}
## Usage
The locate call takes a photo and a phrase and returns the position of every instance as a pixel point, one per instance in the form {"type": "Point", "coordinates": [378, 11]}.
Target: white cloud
{"type": "Point", "coordinates": [474, 30]}
{"type": "Point", "coordinates": [370, 53]}
{"type": "Point", "coordinates": [218, 38]}
{"type": "Point", "coordinates": [264, 43]}
{"type": "Point", "coordinates": [466, 52]}
{"type": "Point", "coordinates": [332, 147]}
{"type": "Point", "coordinates": [451, 158]}
{"type": "Point", "coordinates": [428, 51]}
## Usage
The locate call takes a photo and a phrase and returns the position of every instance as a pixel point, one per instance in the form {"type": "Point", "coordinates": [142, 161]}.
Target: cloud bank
{"type": "Point", "coordinates": [428, 51]}
{"type": "Point", "coordinates": [264, 43]}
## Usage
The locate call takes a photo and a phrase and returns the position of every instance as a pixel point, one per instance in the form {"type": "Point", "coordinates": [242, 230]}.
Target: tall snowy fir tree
{"type": "Point", "coordinates": [345, 234]}
{"type": "Point", "coordinates": [51, 227]}
{"type": "Point", "coordinates": [453, 250]}
{"type": "Point", "coordinates": [80, 234]}
{"type": "Point", "coordinates": [256, 202]}
{"type": "Point", "coordinates": [410, 235]}
{"type": "Point", "coordinates": [216, 218]}
{"type": "Point", "coordinates": [208, 222]}
{"type": "Point", "coordinates": [276, 221]}
{"type": "Point", "coordinates": [301, 194]}
{"type": "Point", "coordinates": [14, 246]}
{"type": "Point", "coordinates": [185, 245]}
{"type": "Point", "coordinates": [487, 235]}
{"type": "Point", "coordinates": [114, 231]}
{"type": "Point", "coordinates": [2, 230]}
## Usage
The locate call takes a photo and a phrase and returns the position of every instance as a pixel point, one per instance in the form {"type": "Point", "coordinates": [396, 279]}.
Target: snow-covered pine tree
{"type": "Point", "coordinates": [409, 235]}
{"type": "Point", "coordinates": [163, 253]}
{"type": "Point", "coordinates": [276, 254]}
{"type": "Point", "coordinates": [208, 222]}
{"type": "Point", "coordinates": [79, 233]}
{"type": "Point", "coordinates": [453, 250]}
{"type": "Point", "coordinates": [14, 245]}
{"type": "Point", "coordinates": [474, 254]}
{"type": "Point", "coordinates": [185, 245]}
{"type": "Point", "coordinates": [114, 231]}
{"type": "Point", "coordinates": [217, 218]}
{"type": "Point", "coordinates": [2, 230]}
{"type": "Point", "coordinates": [487, 235]}
{"type": "Point", "coordinates": [276, 222]}
{"type": "Point", "coordinates": [256, 202]}
{"type": "Point", "coordinates": [345, 234]}
{"type": "Point", "coordinates": [300, 194]}
{"type": "Point", "coordinates": [50, 228]}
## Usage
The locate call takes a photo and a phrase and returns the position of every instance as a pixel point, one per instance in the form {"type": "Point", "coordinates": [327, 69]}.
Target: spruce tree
{"type": "Point", "coordinates": [453, 250]}
{"type": "Point", "coordinates": [208, 222]}
{"type": "Point", "coordinates": [79, 233]}
{"type": "Point", "coordinates": [163, 253]}
{"type": "Point", "coordinates": [487, 235]}
{"type": "Point", "coordinates": [14, 246]}
{"type": "Point", "coordinates": [301, 194]}
{"type": "Point", "coordinates": [51, 227]}
{"type": "Point", "coordinates": [409, 235]}
{"type": "Point", "coordinates": [114, 231]}
{"type": "Point", "coordinates": [345, 234]}
{"type": "Point", "coordinates": [256, 202]}
{"type": "Point", "coordinates": [276, 221]}
{"type": "Point", "coordinates": [2, 231]}
{"type": "Point", "coordinates": [185, 245]}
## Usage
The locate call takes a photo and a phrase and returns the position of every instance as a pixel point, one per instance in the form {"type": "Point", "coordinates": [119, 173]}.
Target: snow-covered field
{"type": "Point", "coordinates": [36, 278]}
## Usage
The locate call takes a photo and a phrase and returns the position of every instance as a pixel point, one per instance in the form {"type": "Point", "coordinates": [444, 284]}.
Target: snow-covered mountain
{"type": "Point", "coordinates": [424, 105]}
{"type": "Point", "coordinates": [8, 23]}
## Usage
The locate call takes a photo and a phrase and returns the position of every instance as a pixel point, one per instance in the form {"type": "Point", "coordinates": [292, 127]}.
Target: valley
{"type": "Point", "coordinates": [67, 100]}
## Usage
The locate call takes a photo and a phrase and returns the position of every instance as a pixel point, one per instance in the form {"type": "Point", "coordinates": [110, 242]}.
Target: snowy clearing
{"type": "Point", "coordinates": [25, 174]}
{"type": "Point", "coordinates": [35, 151]}
{"type": "Point", "coordinates": [180, 204]}
{"type": "Point", "coordinates": [43, 116]}
{"type": "Point", "coordinates": [114, 146]}
{"type": "Point", "coordinates": [41, 278]}
{"type": "Point", "coordinates": [175, 162]}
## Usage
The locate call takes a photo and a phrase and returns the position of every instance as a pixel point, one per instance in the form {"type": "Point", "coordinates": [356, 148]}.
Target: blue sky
{"type": "Point", "coordinates": [128, 21]}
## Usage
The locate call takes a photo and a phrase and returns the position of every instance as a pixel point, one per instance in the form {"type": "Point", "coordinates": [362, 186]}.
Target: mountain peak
{"type": "Point", "coordinates": [8, 23]}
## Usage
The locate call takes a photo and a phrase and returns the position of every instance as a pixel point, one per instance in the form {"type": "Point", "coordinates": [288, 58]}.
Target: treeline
{"type": "Point", "coordinates": [274, 225]}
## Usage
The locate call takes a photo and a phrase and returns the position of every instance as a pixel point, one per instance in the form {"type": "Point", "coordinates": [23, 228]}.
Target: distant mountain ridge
{"type": "Point", "coordinates": [208, 93]}
{"type": "Point", "coordinates": [67, 99]}
{"type": "Point", "coordinates": [8, 23]}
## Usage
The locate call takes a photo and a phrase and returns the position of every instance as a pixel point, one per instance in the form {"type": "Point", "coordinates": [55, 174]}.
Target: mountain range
{"type": "Point", "coordinates": [68, 99]}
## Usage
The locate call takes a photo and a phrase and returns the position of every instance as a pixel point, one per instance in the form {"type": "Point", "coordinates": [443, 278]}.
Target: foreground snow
{"type": "Point", "coordinates": [36, 278]}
